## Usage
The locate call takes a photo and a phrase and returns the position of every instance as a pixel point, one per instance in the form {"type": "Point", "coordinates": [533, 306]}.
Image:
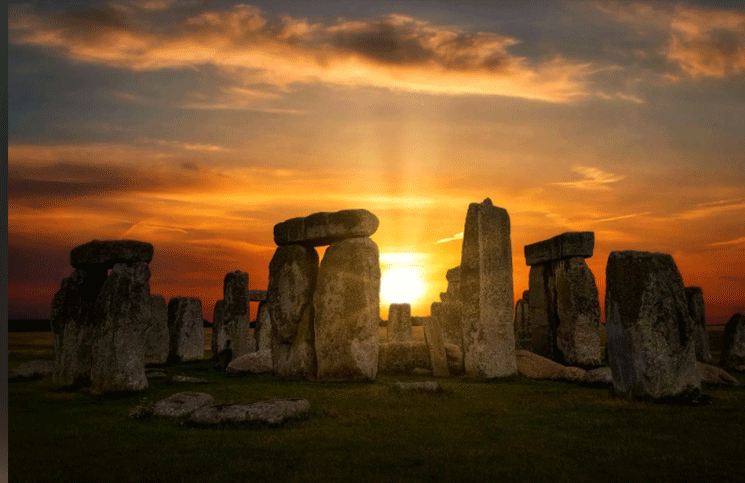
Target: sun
{"type": "Point", "coordinates": [401, 285]}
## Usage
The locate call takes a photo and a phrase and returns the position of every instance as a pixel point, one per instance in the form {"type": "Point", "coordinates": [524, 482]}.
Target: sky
{"type": "Point", "coordinates": [197, 126]}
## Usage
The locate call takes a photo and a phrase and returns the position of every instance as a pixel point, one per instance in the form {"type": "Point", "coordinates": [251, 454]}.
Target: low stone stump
{"type": "Point", "coordinates": [181, 404]}
{"type": "Point", "coordinates": [273, 412]}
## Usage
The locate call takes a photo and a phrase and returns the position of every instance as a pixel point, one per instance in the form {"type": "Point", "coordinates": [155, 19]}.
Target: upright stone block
{"type": "Point", "coordinates": [732, 357]}
{"type": "Point", "coordinates": [695, 297]}
{"type": "Point", "coordinates": [436, 346]}
{"type": "Point", "coordinates": [399, 323]}
{"type": "Point", "coordinates": [263, 328]}
{"type": "Point", "coordinates": [157, 336]}
{"type": "Point", "coordinates": [236, 314]}
{"type": "Point", "coordinates": [122, 314]}
{"type": "Point", "coordinates": [523, 334]}
{"type": "Point", "coordinates": [567, 245]}
{"type": "Point", "coordinates": [293, 271]}
{"type": "Point", "coordinates": [186, 329]}
{"type": "Point", "coordinates": [220, 338]}
{"type": "Point", "coordinates": [486, 293]}
{"type": "Point", "coordinates": [325, 228]}
{"type": "Point", "coordinates": [72, 324]}
{"type": "Point", "coordinates": [347, 309]}
{"type": "Point", "coordinates": [651, 348]}
{"type": "Point", "coordinates": [542, 312]}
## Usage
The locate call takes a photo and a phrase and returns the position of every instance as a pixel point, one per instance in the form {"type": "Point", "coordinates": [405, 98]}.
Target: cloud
{"type": "Point", "coordinates": [595, 179]}
{"type": "Point", "coordinates": [457, 236]}
{"type": "Point", "coordinates": [395, 51]}
{"type": "Point", "coordinates": [702, 42]}
{"type": "Point", "coordinates": [621, 217]}
{"type": "Point", "coordinates": [738, 241]}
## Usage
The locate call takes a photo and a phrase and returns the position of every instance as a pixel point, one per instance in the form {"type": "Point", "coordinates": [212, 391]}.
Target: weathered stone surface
{"type": "Point", "coordinates": [449, 316]}
{"type": "Point", "coordinates": [293, 271]}
{"type": "Point", "coordinates": [156, 375]}
{"type": "Point", "coordinates": [347, 306]}
{"type": "Point", "coordinates": [566, 245]}
{"type": "Point", "coordinates": [436, 347]}
{"type": "Point", "coordinates": [122, 313]}
{"type": "Point", "coordinates": [454, 354]}
{"type": "Point", "coordinates": [181, 404]}
{"type": "Point", "coordinates": [220, 338]}
{"type": "Point", "coordinates": [523, 334]}
{"type": "Point", "coordinates": [578, 313]}
{"type": "Point", "coordinates": [600, 376]}
{"type": "Point", "coordinates": [189, 379]}
{"type": "Point", "coordinates": [540, 308]}
{"type": "Point", "coordinates": [235, 312]}
{"type": "Point", "coordinates": [403, 357]}
{"type": "Point", "coordinates": [253, 363]}
{"type": "Point", "coordinates": [533, 366]}
{"type": "Point", "coordinates": [263, 328]}
{"type": "Point", "coordinates": [157, 336]}
{"type": "Point", "coordinates": [186, 329]}
{"type": "Point", "coordinates": [272, 412]}
{"type": "Point", "coordinates": [257, 295]}
{"type": "Point", "coordinates": [732, 357]}
{"type": "Point", "coordinates": [453, 276]}
{"type": "Point", "coordinates": [486, 293]}
{"type": "Point", "coordinates": [108, 253]}
{"type": "Point", "coordinates": [325, 228]}
{"type": "Point", "coordinates": [695, 298]}
{"type": "Point", "coordinates": [425, 386]}
{"type": "Point", "coordinates": [651, 348]}
{"type": "Point", "coordinates": [399, 323]}
{"type": "Point", "coordinates": [32, 370]}
{"type": "Point", "coordinates": [716, 375]}
{"type": "Point", "coordinates": [72, 324]}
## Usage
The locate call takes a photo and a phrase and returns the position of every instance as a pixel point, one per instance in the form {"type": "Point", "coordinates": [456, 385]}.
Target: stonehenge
{"type": "Point", "coordinates": [564, 309]}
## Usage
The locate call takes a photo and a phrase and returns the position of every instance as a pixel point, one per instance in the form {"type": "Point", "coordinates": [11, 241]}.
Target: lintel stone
{"type": "Point", "coordinates": [566, 245]}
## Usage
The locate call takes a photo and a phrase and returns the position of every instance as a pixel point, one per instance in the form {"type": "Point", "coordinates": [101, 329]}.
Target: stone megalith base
{"type": "Point", "coordinates": [347, 311]}
{"type": "Point", "coordinates": [651, 348]}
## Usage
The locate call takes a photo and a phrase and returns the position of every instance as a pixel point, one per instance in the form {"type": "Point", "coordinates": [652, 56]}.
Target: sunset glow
{"type": "Point", "coordinates": [198, 126]}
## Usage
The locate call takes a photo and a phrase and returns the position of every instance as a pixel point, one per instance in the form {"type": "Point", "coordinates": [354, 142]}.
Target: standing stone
{"type": "Point", "coordinates": [219, 344]}
{"type": "Point", "coordinates": [236, 314]}
{"type": "Point", "coordinates": [72, 324]}
{"type": "Point", "coordinates": [695, 297]}
{"type": "Point", "coordinates": [732, 357]}
{"type": "Point", "coordinates": [399, 323]}
{"type": "Point", "coordinates": [651, 348]}
{"type": "Point", "coordinates": [436, 345]}
{"type": "Point", "coordinates": [186, 329]}
{"type": "Point", "coordinates": [523, 334]}
{"type": "Point", "coordinates": [347, 306]}
{"type": "Point", "coordinates": [292, 279]}
{"type": "Point", "coordinates": [578, 313]}
{"type": "Point", "coordinates": [263, 328]}
{"type": "Point", "coordinates": [157, 336]}
{"type": "Point", "coordinates": [325, 228]}
{"type": "Point", "coordinates": [540, 309]}
{"type": "Point", "coordinates": [122, 314]}
{"type": "Point", "coordinates": [486, 293]}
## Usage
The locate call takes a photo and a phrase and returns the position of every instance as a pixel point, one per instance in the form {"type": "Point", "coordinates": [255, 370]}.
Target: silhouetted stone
{"type": "Point", "coordinates": [347, 304]}
{"type": "Point", "coordinates": [292, 280]}
{"type": "Point", "coordinates": [263, 328]}
{"type": "Point", "coordinates": [533, 366]}
{"type": "Point", "coordinates": [732, 357]}
{"type": "Point", "coordinates": [403, 357]}
{"type": "Point", "coordinates": [399, 323]}
{"type": "Point", "coordinates": [72, 324]}
{"type": "Point", "coordinates": [108, 253]}
{"type": "Point", "coordinates": [566, 245]}
{"type": "Point", "coordinates": [257, 295]}
{"type": "Point", "coordinates": [540, 307]}
{"type": "Point", "coordinates": [252, 363]}
{"type": "Point", "coordinates": [236, 318]}
{"type": "Point", "coordinates": [122, 314]}
{"type": "Point", "coordinates": [186, 329]}
{"type": "Point", "coordinates": [181, 404]}
{"type": "Point", "coordinates": [486, 293]}
{"type": "Point", "coordinates": [695, 297]}
{"type": "Point", "coordinates": [157, 336]}
{"type": "Point", "coordinates": [523, 334]}
{"type": "Point", "coordinates": [436, 347]}
{"type": "Point", "coordinates": [325, 228]}
{"type": "Point", "coordinates": [651, 348]}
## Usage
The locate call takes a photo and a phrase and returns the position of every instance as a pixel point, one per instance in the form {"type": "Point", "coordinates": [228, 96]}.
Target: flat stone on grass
{"type": "Point", "coordinates": [273, 412]}
{"type": "Point", "coordinates": [181, 404]}
{"type": "Point", "coordinates": [425, 386]}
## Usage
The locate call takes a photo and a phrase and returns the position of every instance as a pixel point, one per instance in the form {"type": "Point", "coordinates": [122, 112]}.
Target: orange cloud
{"type": "Point", "coordinates": [395, 52]}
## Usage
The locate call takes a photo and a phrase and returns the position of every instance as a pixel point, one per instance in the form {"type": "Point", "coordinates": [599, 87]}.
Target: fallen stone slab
{"type": "Point", "coordinates": [566, 245]}
{"type": "Point", "coordinates": [716, 375]}
{"type": "Point", "coordinates": [325, 228]}
{"type": "Point", "coordinates": [110, 252]}
{"type": "Point", "coordinates": [426, 386]}
{"type": "Point", "coordinates": [600, 376]}
{"type": "Point", "coordinates": [533, 366]}
{"type": "Point", "coordinates": [35, 369]}
{"type": "Point", "coordinates": [181, 404]}
{"type": "Point", "coordinates": [254, 363]}
{"type": "Point", "coordinates": [190, 380]}
{"type": "Point", "coordinates": [273, 412]}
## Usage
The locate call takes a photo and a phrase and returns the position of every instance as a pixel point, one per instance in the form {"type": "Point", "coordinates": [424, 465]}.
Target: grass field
{"type": "Point", "coordinates": [512, 430]}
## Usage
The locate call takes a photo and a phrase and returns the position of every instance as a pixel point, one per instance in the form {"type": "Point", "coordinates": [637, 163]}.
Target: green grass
{"type": "Point", "coordinates": [513, 430]}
